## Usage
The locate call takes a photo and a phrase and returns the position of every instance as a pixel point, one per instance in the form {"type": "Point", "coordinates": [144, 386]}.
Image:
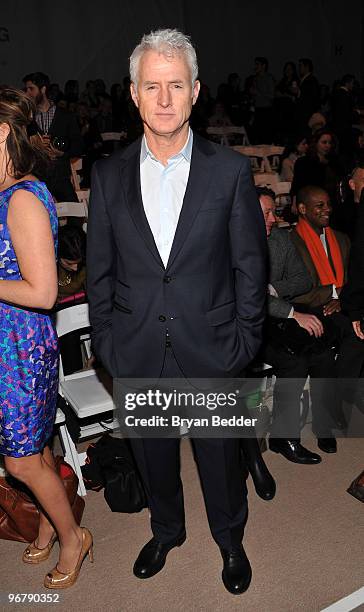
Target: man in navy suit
{"type": "Point", "coordinates": [176, 284]}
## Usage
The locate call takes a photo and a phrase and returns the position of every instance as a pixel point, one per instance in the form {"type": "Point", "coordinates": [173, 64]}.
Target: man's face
{"type": "Point", "coordinates": [356, 183]}
{"type": "Point", "coordinates": [164, 94]}
{"type": "Point", "coordinates": [268, 207]}
{"type": "Point", "coordinates": [317, 210]}
{"type": "Point", "coordinates": [34, 92]}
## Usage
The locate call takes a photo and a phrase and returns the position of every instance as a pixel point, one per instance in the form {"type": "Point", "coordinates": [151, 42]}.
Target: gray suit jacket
{"type": "Point", "coordinates": [287, 273]}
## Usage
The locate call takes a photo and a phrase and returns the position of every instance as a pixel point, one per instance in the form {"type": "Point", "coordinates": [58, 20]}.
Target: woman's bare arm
{"type": "Point", "coordinates": [31, 235]}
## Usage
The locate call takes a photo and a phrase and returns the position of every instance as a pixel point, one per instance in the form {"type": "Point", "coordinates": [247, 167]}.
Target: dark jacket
{"type": "Point", "coordinates": [210, 297]}
{"type": "Point", "coordinates": [57, 175]}
{"type": "Point", "coordinates": [352, 296]}
{"type": "Point", "coordinates": [308, 101]}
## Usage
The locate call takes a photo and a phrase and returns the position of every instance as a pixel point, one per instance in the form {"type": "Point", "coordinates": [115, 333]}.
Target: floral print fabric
{"type": "Point", "coordinates": [28, 350]}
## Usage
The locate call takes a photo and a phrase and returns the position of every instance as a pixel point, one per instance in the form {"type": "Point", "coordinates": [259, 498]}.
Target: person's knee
{"type": "Point", "coordinates": [19, 467]}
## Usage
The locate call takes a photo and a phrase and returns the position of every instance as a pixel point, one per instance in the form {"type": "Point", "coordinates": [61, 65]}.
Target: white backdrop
{"type": "Point", "coordinates": [88, 39]}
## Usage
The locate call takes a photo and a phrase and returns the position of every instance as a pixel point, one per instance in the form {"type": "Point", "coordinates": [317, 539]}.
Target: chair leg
{"type": "Point", "coordinates": [72, 457]}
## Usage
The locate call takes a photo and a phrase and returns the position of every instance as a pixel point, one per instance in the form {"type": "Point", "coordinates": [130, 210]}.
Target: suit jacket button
{"type": "Point", "coordinates": [167, 279]}
{"type": "Point", "coordinates": [162, 318]}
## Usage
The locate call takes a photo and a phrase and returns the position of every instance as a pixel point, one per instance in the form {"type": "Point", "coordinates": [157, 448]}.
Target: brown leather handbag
{"type": "Point", "coordinates": [356, 488]}
{"type": "Point", "coordinates": [19, 515]}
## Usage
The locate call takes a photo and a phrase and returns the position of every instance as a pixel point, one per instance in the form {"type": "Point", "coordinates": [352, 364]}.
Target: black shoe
{"type": "Point", "coordinates": [152, 557]}
{"type": "Point", "coordinates": [237, 572]}
{"type": "Point", "coordinates": [264, 482]}
{"type": "Point", "coordinates": [328, 445]}
{"type": "Point", "coordinates": [293, 451]}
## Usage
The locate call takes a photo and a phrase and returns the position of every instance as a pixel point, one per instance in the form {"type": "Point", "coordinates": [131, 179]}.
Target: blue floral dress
{"type": "Point", "coordinates": [28, 350]}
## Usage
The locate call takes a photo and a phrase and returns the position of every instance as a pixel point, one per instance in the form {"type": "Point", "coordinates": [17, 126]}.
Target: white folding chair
{"type": "Point", "coordinates": [76, 167]}
{"type": "Point", "coordinates": [268, 179]}
{"type": "Point", "coordinates": [263, 158]}
{"type": "Point", "coordinates": [228, 133]}
{"type": "Point", "coordinates": [83, 195]}
{"type": "Point", "coordinates": [89, 392]}
{"type": "Point", "coordinates": [72, 209]}
{"type": "Point", "coordinates": [69, 449]}
{"type": "Point", "coordinates": [114, 136]}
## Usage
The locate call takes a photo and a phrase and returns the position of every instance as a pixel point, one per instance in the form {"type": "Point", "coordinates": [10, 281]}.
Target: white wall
{"type": "Point", "coordinates": [88, 39]}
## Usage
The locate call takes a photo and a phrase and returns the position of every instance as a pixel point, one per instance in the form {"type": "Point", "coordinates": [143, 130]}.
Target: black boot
{"type": "Point", "coordinates": [264, 482]}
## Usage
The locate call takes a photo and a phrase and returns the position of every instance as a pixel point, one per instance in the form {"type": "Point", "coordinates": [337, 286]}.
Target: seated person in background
{"type": "Point", "coordinates": [325, 253]}
{"type": "Point", "coordinates": [320, 166]}
{"type": "Point", "coordinates": [292, 152]}
{"type": "Point", "coordinates": [219, 117]}
{"type": "Point", "coordinates": [288, 277]}
{"type": "Point", "coordinates": [71, 262]}
{"type": "Point", "coordinates": [316, 122]}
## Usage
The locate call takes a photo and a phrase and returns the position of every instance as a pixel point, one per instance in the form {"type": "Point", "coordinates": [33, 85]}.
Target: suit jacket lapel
{"type": "Point", "coordinates": [196, 190]}
{"type": "Point", "coordinates": [130, 180]}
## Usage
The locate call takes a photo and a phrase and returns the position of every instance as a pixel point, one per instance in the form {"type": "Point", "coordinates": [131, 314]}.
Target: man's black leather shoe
{"type": "Point", "coordinates": [152, 557]}
{"type": "Point", "coordinates": [237, 573]}
{"type": "Point", "coordinates": [293, 451]}
{"type": "Point", "coordinates": [264, 482]}
{"type": "Point", "coordinates": [328, 445]}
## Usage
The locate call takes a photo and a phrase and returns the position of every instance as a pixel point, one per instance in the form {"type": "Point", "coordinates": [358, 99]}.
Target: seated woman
{"type": "Point", "coordinates": [292, 152]}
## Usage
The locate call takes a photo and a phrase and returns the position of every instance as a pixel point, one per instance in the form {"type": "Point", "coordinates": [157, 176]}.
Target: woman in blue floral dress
{"type": "Point", "coordinates": [28, 341]}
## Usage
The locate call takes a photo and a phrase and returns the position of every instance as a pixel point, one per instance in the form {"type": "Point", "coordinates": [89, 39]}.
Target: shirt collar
{"type": "Point", "coordinates": [185, 152]}
{"type": "Point", "coordinates": [51, 108]}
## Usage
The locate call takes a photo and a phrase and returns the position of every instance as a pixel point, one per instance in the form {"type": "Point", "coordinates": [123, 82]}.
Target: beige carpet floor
{"type": "Point", "coordinates": [306, 548]}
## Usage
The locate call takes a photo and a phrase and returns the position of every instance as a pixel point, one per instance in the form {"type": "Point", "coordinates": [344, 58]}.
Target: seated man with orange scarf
{"type": "Point", "coordinates": [325, 253]}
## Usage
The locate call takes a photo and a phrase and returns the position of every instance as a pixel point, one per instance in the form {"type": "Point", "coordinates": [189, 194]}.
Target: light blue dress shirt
{"type": "Point", "coordinates": [163, 189]}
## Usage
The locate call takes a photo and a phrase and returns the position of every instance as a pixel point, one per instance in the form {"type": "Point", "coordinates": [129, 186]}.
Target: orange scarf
{"type": "Point", "coordinates": [326, 274]}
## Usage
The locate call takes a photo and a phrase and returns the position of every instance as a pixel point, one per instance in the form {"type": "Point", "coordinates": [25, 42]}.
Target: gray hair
{"type": "Point", "coordinates": [168, 42]}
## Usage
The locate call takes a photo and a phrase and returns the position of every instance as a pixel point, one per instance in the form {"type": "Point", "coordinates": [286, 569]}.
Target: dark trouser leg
{"type": "Point", "coordinates": [350, 359]}
{"type": "Point", "coordinates": [158, 461]}
{"type": "Point", "coordinates": [322, 391]}
{"type": "Point", "coordinates": [224, 489]}
{"type": "Point", "coordinates": [291, 372]}
{"type": "Point", "coordinates": [253, 458]}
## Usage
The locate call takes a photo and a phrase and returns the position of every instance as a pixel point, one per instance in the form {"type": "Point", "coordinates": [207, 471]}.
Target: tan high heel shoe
{"type": "Point", "coordinates": [59, 580]}
{"type": "Point", "coordinates": [33, 554]}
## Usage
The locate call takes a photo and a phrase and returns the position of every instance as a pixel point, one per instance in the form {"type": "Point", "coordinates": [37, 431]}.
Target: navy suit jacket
{"type": "Point", "coordinates": [210, 297]}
